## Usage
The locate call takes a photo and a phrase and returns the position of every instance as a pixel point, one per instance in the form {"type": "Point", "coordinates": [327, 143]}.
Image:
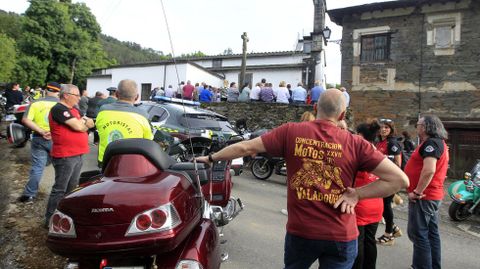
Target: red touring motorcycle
{"type": "Point", "coordinates": [146, 211]}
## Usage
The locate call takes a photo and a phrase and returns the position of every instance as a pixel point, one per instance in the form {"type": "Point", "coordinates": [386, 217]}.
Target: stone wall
{"type": "Point", "coordinates": [414, 80]}
{"type": "Point", "coordinates": [260, 115]}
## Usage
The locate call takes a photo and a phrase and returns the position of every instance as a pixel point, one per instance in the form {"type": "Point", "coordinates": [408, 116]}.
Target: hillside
{"type": "Point", "coordinates": [128, 52]}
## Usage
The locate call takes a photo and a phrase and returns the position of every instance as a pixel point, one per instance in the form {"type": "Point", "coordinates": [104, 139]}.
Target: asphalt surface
{"type": "Point", "coordinates": [255, 238]}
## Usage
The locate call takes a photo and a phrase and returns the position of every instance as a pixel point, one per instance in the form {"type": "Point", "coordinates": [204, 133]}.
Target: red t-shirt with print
{"type": "Point", "coordinates": [322, 161]}
{"type": "Point", "coordinates": [368, 210]}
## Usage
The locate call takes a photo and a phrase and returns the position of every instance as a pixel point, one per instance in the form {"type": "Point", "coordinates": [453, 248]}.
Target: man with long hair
{"type": "Point", "coordinates": [426, 170]}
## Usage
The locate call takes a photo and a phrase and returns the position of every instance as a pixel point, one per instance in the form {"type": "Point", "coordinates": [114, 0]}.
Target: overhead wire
{"type": "Point", "coordinates": [183, 104]}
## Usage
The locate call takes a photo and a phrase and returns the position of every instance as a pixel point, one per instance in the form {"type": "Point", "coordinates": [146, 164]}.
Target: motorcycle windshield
{"type": "Point", "coordinates": [475, 169]}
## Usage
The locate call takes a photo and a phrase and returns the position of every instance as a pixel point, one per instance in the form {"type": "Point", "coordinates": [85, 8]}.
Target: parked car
{"type": "Point", "coordinates": [180, 118]}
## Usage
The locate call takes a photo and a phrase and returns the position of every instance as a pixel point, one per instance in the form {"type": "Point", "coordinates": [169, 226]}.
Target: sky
{"type": "Point", "coordinates": [212, 26]}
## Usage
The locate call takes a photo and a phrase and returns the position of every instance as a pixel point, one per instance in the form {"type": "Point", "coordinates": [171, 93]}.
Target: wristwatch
{"type": "Point", "coordinates": [210, 159]}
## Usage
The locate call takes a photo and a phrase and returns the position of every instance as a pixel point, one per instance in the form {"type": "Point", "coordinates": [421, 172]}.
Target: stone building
{"type": "Point", "coordinates": [404, 58]}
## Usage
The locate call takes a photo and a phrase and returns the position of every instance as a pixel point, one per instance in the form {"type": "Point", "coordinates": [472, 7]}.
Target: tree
{"type": "Point", "coordinates": [63, 37]}
{"type": "Point", "coordinates": [7, 57]}
{"type": "Point", "coordinates": [228, 51]}
{"type": "Point", "coordinates": [10, 24]}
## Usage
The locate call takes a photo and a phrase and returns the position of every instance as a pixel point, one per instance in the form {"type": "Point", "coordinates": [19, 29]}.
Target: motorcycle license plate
{"type": "Point", "coordinates": [10, 117]}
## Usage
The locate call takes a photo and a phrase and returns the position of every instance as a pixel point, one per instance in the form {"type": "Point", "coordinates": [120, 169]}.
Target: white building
{"type": "Point", "coordinates": [218, 71]}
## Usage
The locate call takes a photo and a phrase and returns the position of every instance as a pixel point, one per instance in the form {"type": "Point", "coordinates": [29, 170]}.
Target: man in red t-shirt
{"type": "Point", "coordinates": [69, 142]}
{"type": "Point", "coordinates": [188, 91]}
{"type": "Point", "coordinates": [322, 161]}
{"type": "Point", "coordinates": [426, 170]}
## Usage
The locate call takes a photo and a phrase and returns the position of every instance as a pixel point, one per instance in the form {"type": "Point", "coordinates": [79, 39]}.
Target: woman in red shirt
{"type": "Point", "coordinates": [368, 211]}
{"type": "Point", "coordinates": [389, 145]}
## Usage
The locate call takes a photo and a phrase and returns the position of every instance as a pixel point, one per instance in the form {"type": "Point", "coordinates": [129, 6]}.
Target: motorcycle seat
{"type": "Point", "coordinates": [148, 148]}
{"type": "Point", "coordinates": [189, 169]}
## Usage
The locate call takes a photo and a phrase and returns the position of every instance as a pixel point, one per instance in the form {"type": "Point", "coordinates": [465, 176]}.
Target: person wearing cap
{"type": "Point", "coordinates": [36, 118]}
{"type": "Point", "coordinates": [112, 98]}
{"type": "Point", "coordinates": [69, 143]}
{"type": "Point", "coordinates": [122, 120]}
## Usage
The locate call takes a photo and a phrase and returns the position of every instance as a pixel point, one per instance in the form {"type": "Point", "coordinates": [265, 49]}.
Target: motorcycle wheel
{"type": "Point", "coordinates": [459, 212]}
{"type": "Point", "coordinates": [261, 169]}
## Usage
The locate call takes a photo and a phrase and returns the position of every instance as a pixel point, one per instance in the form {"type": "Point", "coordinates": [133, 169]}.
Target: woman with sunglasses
{"type": "Point", "coordinates": [389, 145]}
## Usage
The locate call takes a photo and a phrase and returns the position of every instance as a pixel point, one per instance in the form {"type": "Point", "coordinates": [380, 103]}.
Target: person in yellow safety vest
{"type": "Point", "coordinates": [121, 120]}
{"type": "Point", "coordinates": [36, 118]}
{"type": "Point", "coordinates": [37, 94]}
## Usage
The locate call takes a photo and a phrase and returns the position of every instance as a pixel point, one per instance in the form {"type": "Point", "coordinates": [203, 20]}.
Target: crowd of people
{"type": "Point", "coordinates": [340, 184]}
{"type": "Point", "coordinates": [263, 91]}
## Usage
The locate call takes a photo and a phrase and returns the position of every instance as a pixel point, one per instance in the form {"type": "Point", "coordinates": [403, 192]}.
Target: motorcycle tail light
{"type": "Point", "coordinates": [143, 222]}
{"type": "Point", "coordinates": [162, 218]}
{"type": "Point", "coordinates": [188, 264]}
{"type": "Point", "coordinates": [61, 225]}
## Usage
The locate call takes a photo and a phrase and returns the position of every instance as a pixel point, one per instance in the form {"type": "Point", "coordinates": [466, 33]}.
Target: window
{"type": "Point", "coordinates": [146, 91]}
{"type": "Point", "coordinates": [444, 32]}
{"type": "Point", "coordinates": [248, 79]}
{"type": "Point", "coordinates": [375, 48]}
{"type": "Point", "coordinates": [159, 114]}
{"type": "Point", "coordinates": [217, 63]}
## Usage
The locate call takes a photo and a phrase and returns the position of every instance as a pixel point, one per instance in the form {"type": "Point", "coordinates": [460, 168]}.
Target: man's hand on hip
{"type": "Point", "coordinates": [348, 201]}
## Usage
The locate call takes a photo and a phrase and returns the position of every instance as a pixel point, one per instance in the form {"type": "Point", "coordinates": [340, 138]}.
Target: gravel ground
{"type": "Point", "coordinates": [22, 237]}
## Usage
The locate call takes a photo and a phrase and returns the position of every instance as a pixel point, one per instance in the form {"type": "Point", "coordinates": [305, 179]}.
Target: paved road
{"type": "Point", "coordinates": [255, 238]}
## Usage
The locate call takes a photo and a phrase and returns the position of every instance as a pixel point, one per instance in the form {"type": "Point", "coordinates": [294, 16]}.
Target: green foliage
{"type": "Point", "coordinates": [7, 57]}
{"type": "Point", "coordinates": [10, 24]}
{"type": "Point", "coordinates": [129, 52]}
{"type": "Point", "coordinates": [193, 55]}
{"type": "Point", "coordinates": [31, 71]}
{"type": "Point", "coordinates": [64, 36]}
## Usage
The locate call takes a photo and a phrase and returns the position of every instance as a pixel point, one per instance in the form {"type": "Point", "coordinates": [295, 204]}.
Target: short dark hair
{"type": "Point", "coordinates": [369, 131]}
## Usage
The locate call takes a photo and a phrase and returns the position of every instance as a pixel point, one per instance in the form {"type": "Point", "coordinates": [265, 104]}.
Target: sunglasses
{"type": "Point", "coordinates": [386, 120]}
{"type": "Point", "coordinates": [77, 95]}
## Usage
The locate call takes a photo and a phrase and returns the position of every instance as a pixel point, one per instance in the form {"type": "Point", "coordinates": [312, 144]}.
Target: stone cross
{"type": "Point", "coordinates": [244, 61]}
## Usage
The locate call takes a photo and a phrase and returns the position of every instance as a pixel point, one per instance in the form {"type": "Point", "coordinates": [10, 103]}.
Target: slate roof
{"type": "Point", "coordinates": [336, 15]}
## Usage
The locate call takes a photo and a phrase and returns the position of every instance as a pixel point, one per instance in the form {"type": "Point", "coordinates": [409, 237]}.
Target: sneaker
{"type": "Point", "coordinates": [26, 199]}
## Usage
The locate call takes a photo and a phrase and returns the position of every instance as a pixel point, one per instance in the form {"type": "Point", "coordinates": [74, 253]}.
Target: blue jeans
{"type": "Point", "coordinates": [67, 173]}
{"type": "Point", "coordinates": [301, 253]}
{"type": "Point", "coordinates": [40, 153]}
{"type": "Point", "coordinates": [423, 232]}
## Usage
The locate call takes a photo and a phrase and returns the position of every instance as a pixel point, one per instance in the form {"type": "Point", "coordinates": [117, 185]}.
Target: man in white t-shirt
{"type": "Point", "coordinates": [255, 93]}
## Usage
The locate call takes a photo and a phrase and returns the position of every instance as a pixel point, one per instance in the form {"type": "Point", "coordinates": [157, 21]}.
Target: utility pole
{"type": "Point", "coordinates": [244, 60]}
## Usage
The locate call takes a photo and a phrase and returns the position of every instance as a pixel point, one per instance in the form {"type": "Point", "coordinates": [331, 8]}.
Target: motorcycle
{"type": "Point", "coordinates": [146, 210]}
{"type": "Point", "coordinates": [465, 195]}
{"type": "Point", "coordinates": [263, 166]}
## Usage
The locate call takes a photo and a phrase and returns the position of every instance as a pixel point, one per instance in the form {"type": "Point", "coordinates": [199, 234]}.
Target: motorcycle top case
{"type": "Point", "coordinates": [104, 211]}
{"type": "Point", "coordinates": [16, 134]}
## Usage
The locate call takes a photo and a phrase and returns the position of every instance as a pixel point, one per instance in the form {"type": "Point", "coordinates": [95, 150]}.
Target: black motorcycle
{"type": "Point", "coordinates": [263, 166]}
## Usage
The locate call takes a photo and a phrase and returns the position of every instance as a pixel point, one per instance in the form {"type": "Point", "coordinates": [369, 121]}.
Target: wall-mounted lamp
{"type": "Point", "coordinates": [326, 34]}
